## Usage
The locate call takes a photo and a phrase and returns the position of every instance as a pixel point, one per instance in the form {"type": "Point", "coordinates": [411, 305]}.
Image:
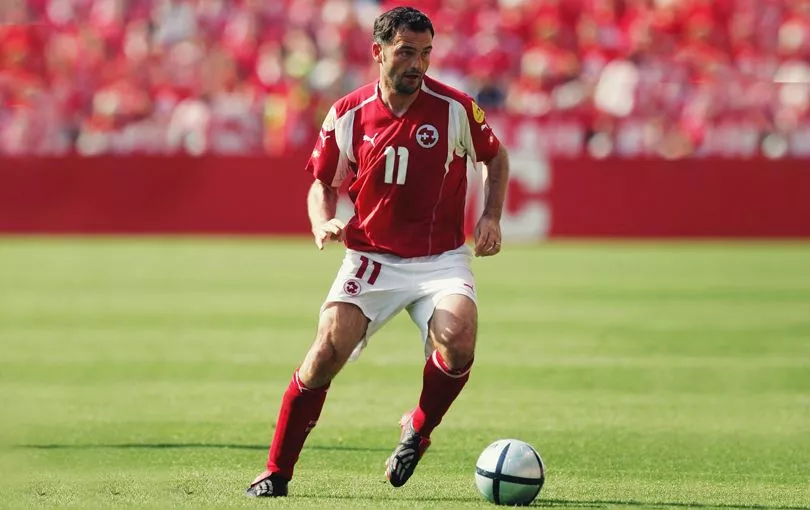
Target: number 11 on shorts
{"type": "Point", "coordinates": [375, 271]}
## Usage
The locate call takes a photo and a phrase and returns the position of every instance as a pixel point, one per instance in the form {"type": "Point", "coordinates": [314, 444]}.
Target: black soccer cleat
{"type": "Point", "coordinates": [271, 486]}
{"type": "Point", "coordinates": [401, 464]}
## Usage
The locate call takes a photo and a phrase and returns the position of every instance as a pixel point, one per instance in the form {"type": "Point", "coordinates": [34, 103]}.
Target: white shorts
{"type": "Point", "coordinates": [383, 285]}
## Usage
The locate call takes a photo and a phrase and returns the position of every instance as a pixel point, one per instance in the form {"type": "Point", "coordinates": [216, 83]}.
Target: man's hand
{"type": "Point", "coordinates": [487, 236]}
{"type": "Point", "coordinates": [332, 230]}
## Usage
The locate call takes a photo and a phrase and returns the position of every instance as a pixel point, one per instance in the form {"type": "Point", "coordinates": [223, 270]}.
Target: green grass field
{"type": "Point", "coordinates": [148, 372]}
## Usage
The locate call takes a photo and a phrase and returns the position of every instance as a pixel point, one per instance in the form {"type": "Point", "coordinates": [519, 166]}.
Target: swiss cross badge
{"type": "Point", "coordinates": [427, 136]}
{"type": "Point", "coordinates": [351, 287]}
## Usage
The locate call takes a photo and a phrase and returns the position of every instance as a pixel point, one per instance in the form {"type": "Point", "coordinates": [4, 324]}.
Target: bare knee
{"type": "Point", "coordinates": [456, 343]}
{"type": "Point", "coordinates": [340, 328]}
{"type": "Point", "coordinates": [453, 332]}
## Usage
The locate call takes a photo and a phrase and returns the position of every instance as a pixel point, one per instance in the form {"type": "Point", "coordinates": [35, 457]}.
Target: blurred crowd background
{"type": "Point", "coordinates": [627, 78]}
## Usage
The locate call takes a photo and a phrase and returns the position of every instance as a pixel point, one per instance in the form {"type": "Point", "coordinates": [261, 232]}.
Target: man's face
{"type": "Point", "coordinates": [405, 60]}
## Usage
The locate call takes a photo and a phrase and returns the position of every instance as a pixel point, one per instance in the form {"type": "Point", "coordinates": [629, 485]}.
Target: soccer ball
{"type": "Point", "coordinates": [510, 472]}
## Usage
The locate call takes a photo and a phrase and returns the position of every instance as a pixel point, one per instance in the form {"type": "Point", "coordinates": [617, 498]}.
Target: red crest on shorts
{"type": "Point", "coordinates": [351, 287]}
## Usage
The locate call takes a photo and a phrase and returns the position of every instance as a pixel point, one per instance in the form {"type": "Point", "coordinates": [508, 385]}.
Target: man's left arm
{"type": "Point", "coordinates": [488, 229]}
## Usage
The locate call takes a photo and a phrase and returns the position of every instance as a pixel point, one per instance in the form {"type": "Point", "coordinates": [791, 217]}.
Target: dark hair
{"type": "Point", "coordinates": [388, 23]}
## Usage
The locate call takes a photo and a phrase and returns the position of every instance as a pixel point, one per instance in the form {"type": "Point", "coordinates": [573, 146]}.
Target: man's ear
{"type": "Point", "coordinates": [377, 52]}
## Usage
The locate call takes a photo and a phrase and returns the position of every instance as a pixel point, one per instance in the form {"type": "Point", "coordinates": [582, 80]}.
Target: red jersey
{"type": "Point", "coordinates": [408, 174]}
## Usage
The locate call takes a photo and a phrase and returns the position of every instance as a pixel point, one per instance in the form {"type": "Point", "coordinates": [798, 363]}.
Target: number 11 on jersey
{"type": "Point", "coordinates": [396, 159]}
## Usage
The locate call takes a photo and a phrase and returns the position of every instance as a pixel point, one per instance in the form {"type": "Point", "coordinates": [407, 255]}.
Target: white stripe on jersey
{"type": "Point", "coordinates": [344, 134]}
{"type": "Point", "coordinates": [454, 133]}
{"type": "Point", "coordinates": [458, 127]}
{"type": "Point", "coordinates": [347, 127]}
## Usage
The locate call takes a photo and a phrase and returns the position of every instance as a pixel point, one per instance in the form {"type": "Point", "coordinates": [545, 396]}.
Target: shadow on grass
{"type": "Point", "coordinates": [575, 503]}
{"type": "Point", "coordinates": [598, 503]}
{"type": "Point", "coordinates": [415, 498]}
{"type": "Point", "coordinates": [551, 503]}
{"type": "Point", "coordinates": [167, 446]}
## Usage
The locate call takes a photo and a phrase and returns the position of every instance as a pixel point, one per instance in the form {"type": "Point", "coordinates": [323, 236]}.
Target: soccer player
{"type": "Point", "coordinates": [401, 144]}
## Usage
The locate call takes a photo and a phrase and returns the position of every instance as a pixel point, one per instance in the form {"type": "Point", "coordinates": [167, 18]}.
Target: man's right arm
{"type": "Point", "coordinates": [328, 164]}
{"type": "Point", "coordinates": [321, 203]}
{"type": "Point", "coordinates": [322, 206]}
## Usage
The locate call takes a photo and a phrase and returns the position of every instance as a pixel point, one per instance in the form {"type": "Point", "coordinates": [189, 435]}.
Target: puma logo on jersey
{"type": "Point", "coordinates": [324, 137]}
{"type": "Point", "coordinates": [370, 139]}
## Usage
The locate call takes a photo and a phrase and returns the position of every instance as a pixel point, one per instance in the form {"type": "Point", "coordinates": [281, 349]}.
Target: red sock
{"type": "Point", "coordinates": [440, 387]}
{"type": "Point", "coordinates": [300, 409]}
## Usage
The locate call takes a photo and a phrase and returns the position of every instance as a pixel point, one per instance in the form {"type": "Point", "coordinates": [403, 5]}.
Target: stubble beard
{"type": "Point", "coordinates": [401, 88]}
{"type": "Point", "coordinates": [398, 82]}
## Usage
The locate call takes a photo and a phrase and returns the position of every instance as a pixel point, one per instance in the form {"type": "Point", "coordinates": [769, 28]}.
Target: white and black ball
{"type": "Point", "coordinates": [510, 472]}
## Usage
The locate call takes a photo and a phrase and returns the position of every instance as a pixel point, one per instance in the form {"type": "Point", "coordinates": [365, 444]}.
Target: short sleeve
{"type": "Point", "coordinates": [477, 136]}
{"type": "Point", "coordinates": [327, 163]}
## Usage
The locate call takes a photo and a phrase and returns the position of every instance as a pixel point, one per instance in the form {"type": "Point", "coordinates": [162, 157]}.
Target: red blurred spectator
{"type": "Point", "coordinates": [642, 76]}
